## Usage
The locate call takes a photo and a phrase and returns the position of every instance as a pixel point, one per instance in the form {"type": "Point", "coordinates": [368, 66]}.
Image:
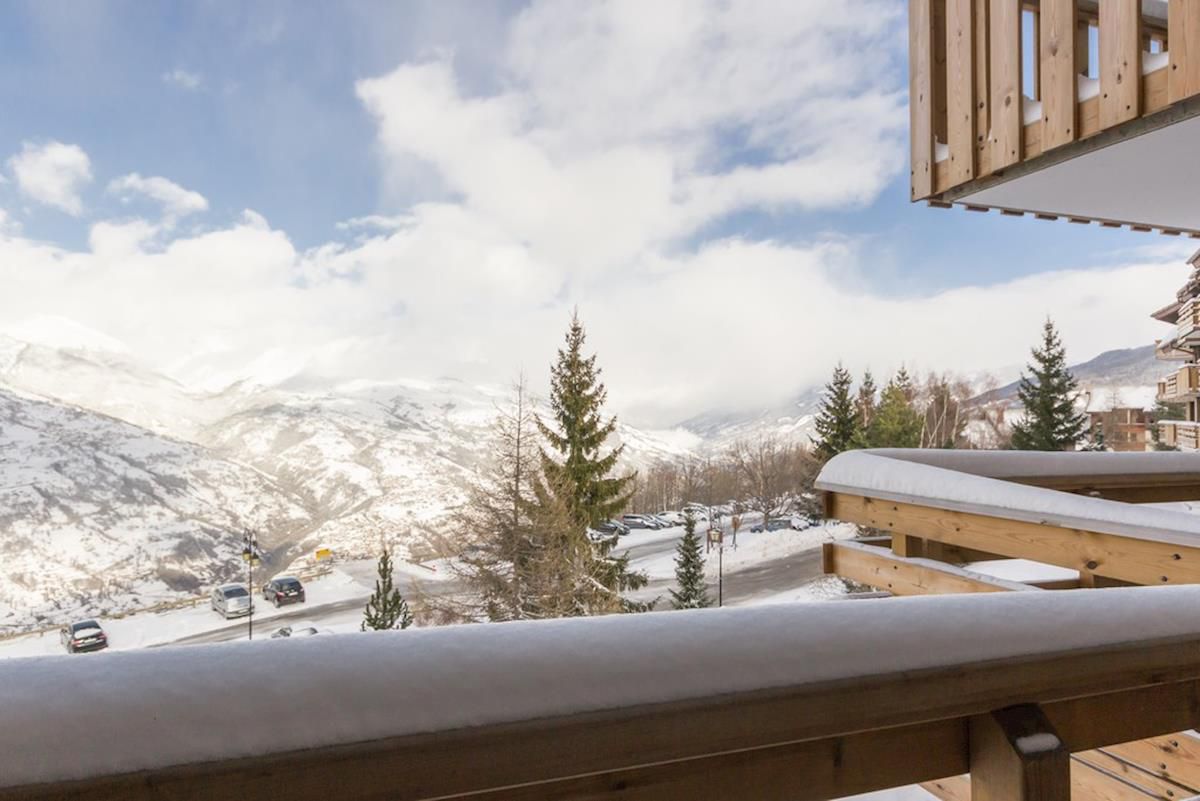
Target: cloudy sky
{"type": "Point", "coordinates": [318, 192]}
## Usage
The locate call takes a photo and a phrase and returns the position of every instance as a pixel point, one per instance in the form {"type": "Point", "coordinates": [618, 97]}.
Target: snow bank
{"type": "Point", "coordinates": [967, 481]}
{"type": "Point", "coordinates": [78, 717]}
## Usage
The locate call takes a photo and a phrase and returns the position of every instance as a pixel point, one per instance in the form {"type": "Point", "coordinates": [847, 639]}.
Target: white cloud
{"type": "Point", "coordinates": [176, 201]}
{"type": "Point", "coordinates": [628, 126]}
{"type": "Point", "coordinates": [183, 79]}
{"type": "Point", "coordinates": [53, 173]}
{"type": "Point", "coordinates": [622, 132]}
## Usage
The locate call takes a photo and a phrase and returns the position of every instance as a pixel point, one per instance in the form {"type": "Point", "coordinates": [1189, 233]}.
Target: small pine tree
{"type": "Point", "coordinates": [866, 403]}
{"type": "Point", "coordinates": [1051, 422]}
{"type": "Point", "coordinates": [689, 571]}
{"type": "Point", "coordinates": [837, 422]}
{"type": "Point", "coordinates": [896, 423]}
{"type": "Point", "coordinates": [386, 608]}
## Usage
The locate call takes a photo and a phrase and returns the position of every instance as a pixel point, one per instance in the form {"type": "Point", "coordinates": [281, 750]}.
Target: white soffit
{"type": "Point", "coordinates": [1152, 179]}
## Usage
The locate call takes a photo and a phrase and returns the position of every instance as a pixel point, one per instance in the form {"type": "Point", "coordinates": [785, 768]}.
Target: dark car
{"type": "Point", "coordinates": [86, 635]}
{"type": "Point", "coordinates": [613, 527]}
{"type": "Point", "coordinates": [284, 590]}
{"type": "Point", "coordinates": [778, 524]}
{"type": "Point", "coordinates": [640, 521]}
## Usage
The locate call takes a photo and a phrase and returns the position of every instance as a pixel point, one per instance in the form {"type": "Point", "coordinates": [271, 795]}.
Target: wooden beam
{"type": "Point", "coordinates": [1016, 755]}
{"type": "Point", "coordinates": [898, 575]}
{"type": "Point", "coordinates": [1183, 53]}
{"type": "Point", "coordinates": [1140, 561]}
{"type": "Point", "coordinates": [960, 88]}
{"type": "Point", "coordinates": [1004, 23]}
{"type": "Point", "coordinates": [1120, 61]}
{"type": "Point", "coordinates": [1058, 73]}
{"type": "Point", "coordinates": [920, 94]}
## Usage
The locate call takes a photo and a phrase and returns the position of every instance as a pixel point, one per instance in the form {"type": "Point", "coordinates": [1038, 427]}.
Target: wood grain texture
{"type": "Point", "coordinates": [1058, 71]}
{"type": "Point", "coordinates": [1004, 29]}
{"type": "Point", "coordinates": [1183, 54]}
{"type": "Point", "coordinates": [1120, 61]}
{"type": "Point", "coordinates": [920, 94]}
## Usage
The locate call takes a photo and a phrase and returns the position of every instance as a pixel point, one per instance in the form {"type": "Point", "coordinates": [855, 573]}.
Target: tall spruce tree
{"type": "Point", "coordinates": [837, 420]}
{"type": "Point", "coordinates": [866, 401]}
{"type": "Point", "coordinates": [689, 570]}
{"type": "Point", "coordinates": [896, 423]}
{"type": "Point", "coordinates": [577, 477]}
{"type": "Point", "coordinates": [386, 608]}
{"type": "Point", "coordinates": [1048, 394]}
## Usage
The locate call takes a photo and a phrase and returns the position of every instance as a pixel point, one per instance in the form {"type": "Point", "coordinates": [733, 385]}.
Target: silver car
{"type": "Point", "coordinates": [231, 600]}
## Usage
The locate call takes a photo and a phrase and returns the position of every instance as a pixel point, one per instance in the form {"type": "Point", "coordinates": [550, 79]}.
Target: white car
{"type": "Point", "coordinates": [231, 600]}
{"type": "Point", "coordinates": [302, 629]}
{"type": "Point", "coordinates": [674, 518]}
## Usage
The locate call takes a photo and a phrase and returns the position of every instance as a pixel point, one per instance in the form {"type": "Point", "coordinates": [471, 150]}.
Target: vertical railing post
{"type": "Point", "coordinates": [1017, 756]}
{"type": "Point", "coordinates": [1058, 71]}
{"type": "Point", "coordinates": [983, 90]}
{"type": "Point", "coordinates": [1183, 49]}
{"type": "Point", "coordinates": [920, 95]}
{"type": "Point", "coordinates": [1120, 61]}
{"type": "Point", "coordinates": [960, 87]}
{"type": "Point", "coordinates": [1005, 33]}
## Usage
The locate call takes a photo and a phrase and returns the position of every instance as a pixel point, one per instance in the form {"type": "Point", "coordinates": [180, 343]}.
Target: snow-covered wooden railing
{"type": "Point", "coordinates": [1073, 510]}
{"type": "Point", "coordinates": [795, 702]}
{"type": "Point", "coordinates": [971, 113]}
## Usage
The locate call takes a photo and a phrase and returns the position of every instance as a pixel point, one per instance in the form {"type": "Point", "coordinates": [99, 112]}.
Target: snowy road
{"type": "Point", "coordinates": [769, 566]}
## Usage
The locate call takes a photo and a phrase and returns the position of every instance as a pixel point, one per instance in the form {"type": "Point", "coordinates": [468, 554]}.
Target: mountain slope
{"type": "Point", "coordinates": [99, 515]}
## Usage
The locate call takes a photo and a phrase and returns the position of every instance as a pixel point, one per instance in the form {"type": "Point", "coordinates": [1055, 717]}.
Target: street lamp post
{"type": "Point", "coordinates": [250, 554]}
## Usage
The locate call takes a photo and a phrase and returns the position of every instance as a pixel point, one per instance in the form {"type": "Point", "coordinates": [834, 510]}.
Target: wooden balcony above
{"type": "Point", "coordinates": [1060, 108]}
{"type": "Point", "coordinates": [1181, 385]}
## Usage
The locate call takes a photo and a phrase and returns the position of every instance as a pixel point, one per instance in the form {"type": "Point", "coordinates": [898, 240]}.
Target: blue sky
{"type": "Point", "coordinates": [648, 164]}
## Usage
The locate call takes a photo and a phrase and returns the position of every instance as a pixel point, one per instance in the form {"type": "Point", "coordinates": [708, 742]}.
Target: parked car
{"type": "Point", "coordinates": [779, 523]}
{"type": "Point", "coordinates": [613, 527]}
{"type": "Point", "coordinates": [86, 635]}
{"type": "Point", "coordinates": [231, 600]}
{"type": "Point", "coordinates": [674, 518]}
{"type": "Point", "coordinates": [301, 629]}
{"type": "Point", "coordinates": [284, 590]}
{"type": "Point", "coordinates": [664, 522]}
{"type": "Point", "coordinates": [596, 535]}
{"type": "Point", "coordinates": [641, 521]}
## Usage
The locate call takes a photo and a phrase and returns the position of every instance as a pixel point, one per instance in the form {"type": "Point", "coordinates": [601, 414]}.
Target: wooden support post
{"type": "Point", "coordinates": [960, 86]}
{"type": "Point", "coordinates": [1120, 61]}
{"type": "Point", "coordinates": [1017, 756]}
{"type": "Point", "coordinates": [1057, 57]}
{"type": "Point", "coordinates": [920, 93]}
{"type": "Point", "coordinates": [1004, 25]}
{"type": "Point", "coordinates": [1183, 49]}
{"type": "Point", "coordinates": [903, 545]}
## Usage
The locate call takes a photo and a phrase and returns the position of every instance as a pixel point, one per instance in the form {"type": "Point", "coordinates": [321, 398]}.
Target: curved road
{"type": "Point", "coordinates": [740, 586]}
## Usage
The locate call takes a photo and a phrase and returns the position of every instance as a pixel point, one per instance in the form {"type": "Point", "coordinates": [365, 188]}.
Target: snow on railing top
{"type": "Point", "coordinates": [973, 481]}
{"type": "Point", "coordinates": [83, 717]}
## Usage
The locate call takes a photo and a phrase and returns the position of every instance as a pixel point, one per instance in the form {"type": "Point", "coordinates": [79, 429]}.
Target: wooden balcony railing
{"type": "Point", "coordinates": [1187, 328]}
{"type": "Point", "coordinates": [970, 114]}
{"type": "Point", "coordinates": [786, 702]}
{"type": "Point", "coordinates": [1179, 434]}
{"type": "Point", "coordinates": [1180, 385]}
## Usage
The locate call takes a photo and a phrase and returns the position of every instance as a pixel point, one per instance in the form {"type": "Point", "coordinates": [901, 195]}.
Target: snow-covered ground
{"type": "Point", "coordinates": [751, 548]}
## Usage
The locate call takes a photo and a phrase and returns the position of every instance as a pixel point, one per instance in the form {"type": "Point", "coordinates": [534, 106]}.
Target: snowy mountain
{"type": "Point", "coordinates": [98, 515]}
{"type": "Point", "coordinates": [791, 422]}
{"type": "Point", "coordinates": [1125, 377]}
{"type": "Point", "coordinates": [120, 487]}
